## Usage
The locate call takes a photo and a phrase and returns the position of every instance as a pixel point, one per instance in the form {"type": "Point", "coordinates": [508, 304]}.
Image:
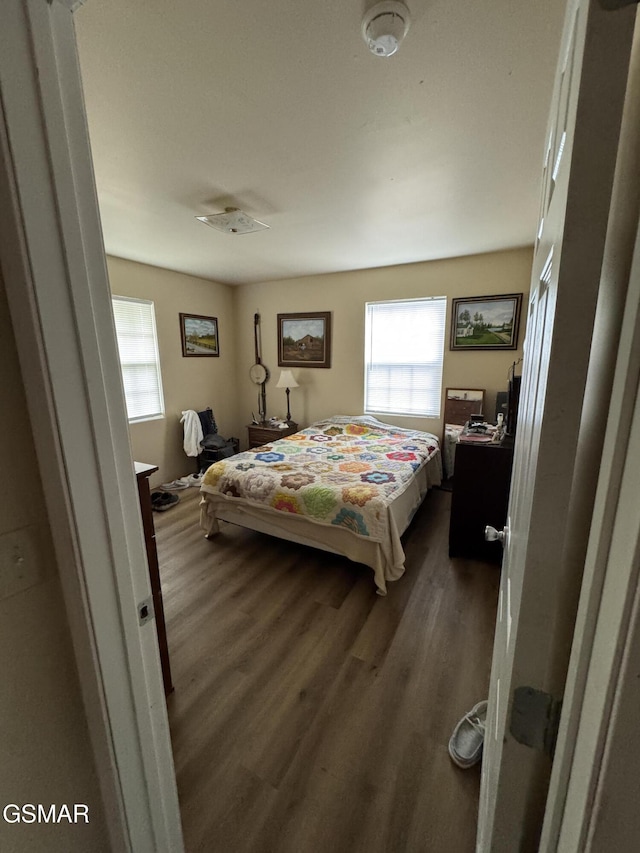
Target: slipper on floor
{"type": "Point", "coordinates": [161, 501]}
{"type": "Point", "coordinates": [465, 745]}
{"type": "Point", "coordinates": [175, 485]}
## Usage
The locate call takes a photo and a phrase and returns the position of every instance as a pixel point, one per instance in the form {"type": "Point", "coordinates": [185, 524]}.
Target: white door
{"type": "Point", "coordinates": [536, 607]}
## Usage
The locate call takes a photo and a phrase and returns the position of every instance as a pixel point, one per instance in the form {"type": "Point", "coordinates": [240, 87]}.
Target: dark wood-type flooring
{"type": "Point", "coordinates": [311, 715]}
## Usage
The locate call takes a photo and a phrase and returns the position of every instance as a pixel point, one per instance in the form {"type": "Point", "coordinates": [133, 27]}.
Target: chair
{"type": "Point", "coordinates": [214, 446]}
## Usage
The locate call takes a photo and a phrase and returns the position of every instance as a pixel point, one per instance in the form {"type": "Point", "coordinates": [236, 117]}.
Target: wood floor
{"type": "Point", "coordinates": [310, 714]}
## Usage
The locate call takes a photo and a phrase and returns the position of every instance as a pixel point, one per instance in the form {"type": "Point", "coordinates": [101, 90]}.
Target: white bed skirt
{"type": "Point", "coordinates": [385, 558]}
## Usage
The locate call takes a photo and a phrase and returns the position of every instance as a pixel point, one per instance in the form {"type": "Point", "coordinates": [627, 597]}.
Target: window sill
{"type": "Point", "coordinates": [401, 415]}
{"type": "Point", "coordinates": [146, 418]}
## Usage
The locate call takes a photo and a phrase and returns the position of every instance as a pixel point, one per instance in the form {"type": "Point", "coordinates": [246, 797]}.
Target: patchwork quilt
{"type": "Point", "coordinates": [343, 471]}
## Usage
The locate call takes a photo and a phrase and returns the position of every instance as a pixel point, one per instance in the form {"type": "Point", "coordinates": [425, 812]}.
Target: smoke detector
{"type": "Point", "coordinates": [384, 26]}
{"type": "Point", "coordinates": [233, 221]}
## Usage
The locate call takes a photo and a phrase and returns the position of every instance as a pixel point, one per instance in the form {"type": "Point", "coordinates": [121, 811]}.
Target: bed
{"type": "Point", "coordinates": [349, 485]}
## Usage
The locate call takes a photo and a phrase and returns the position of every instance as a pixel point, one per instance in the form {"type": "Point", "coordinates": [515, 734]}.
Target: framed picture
{"type": "Point", "coordinates": [461, 403]}
{"type": "Point", "coordinates": [485, 322]}
{"type": "Point", "coordinates": [304, 340]}
{"type": "Point", "coordinates": [199, 335]}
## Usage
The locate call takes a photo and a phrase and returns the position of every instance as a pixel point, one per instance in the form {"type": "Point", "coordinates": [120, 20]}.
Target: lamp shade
{"type": "Point", "coordinates": [286, 380]}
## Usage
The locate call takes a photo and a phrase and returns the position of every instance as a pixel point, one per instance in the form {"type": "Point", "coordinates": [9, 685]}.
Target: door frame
{"type": "Point", "coordinates": [52, 259]}
{"type": "Point", "coordinates": [53, 264]}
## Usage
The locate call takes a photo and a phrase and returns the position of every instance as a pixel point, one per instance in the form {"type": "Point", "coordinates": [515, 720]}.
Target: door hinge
{"type": "Point", "coordinates": [535, 719]}
{"type": "Point", "coordinates": [145, 611]}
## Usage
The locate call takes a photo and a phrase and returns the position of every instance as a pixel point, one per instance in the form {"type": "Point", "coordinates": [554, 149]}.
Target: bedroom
{"type": "Point", "coordinates": [233, 298]}
{"type": "Point", "coordinates": [240, 287]}
{"type": "Point", "coordinates": [307, 397]}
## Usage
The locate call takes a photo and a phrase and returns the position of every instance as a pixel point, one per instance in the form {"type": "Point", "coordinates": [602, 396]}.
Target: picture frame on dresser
{"type": "Point", "coordinates": [459, 405]}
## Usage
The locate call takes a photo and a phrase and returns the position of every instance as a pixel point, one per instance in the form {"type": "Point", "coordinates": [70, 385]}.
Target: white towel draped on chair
{"type": "Point", "coordinates": [193, 434]}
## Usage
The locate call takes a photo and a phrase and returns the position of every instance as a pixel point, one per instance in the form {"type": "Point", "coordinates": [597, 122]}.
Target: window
{"type": "Point", "coordinates": [404, 348]}
{"type": "Point", "coordinates": [139, 360]}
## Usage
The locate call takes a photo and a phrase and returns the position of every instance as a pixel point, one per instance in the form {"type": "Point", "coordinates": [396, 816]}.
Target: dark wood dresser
{"type": "Point", "coordinates": [481, 483]}
{"type": "Point", "coordinates": [264, 433]}
{"type": "Point", "coordinates": [143, 472]}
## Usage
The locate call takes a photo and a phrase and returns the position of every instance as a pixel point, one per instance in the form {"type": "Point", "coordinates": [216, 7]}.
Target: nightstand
{"type": "Point", "coordinates": [260, 434]}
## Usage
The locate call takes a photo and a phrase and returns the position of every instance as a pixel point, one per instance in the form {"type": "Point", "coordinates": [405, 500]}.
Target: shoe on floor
{"type": "Point", "coordinates": [194, 479]}
{"type": "Point", "coordinates": [161, 501]}
{"type": "Point", "coordinates": [176, 485]}
{"type": "Point", "coordinates": [465, 744]}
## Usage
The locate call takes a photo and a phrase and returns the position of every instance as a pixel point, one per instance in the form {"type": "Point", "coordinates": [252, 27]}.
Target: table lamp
{"type": "Point", "coordinates": [287, 381]}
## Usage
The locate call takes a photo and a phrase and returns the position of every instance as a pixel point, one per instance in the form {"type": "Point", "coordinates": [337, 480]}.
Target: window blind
{"type": "Point", "coordinates": [139, 360]}
{"type": "Point", "coordinates": [404, 349]}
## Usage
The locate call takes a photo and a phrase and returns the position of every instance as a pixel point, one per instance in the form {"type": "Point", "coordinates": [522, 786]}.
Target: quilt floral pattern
{"type": "Point", "coordinates": [341, 471]}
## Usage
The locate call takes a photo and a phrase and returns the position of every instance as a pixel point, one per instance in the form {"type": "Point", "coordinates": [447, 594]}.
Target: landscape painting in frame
{"type": "Point", "coordinates": [199, 335]}
{"type": "Point", "coordinates": [485, 322]}
{"type": "Point", "coordinates": [304, 340]}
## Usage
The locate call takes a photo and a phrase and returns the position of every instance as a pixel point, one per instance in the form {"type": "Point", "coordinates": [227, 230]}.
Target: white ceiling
{"type": "Point", "coordinates": [277, 107]}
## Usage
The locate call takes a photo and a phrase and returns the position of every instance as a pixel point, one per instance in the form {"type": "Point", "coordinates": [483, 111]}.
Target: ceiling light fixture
{"type": "Point", "coordinates": [384, 26]}
{"type": "Point", "coordinates": [233, 221]}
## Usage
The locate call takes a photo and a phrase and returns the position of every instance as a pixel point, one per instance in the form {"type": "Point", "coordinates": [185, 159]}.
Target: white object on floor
{"type": "Point", "coordinates": [193, 434]}
{"type": "Point", "coordinates": [174, 485]}
{"type": "Point", "coordinates": [465, 744]}
{"type": "Point", "coordinates": [193, 479]}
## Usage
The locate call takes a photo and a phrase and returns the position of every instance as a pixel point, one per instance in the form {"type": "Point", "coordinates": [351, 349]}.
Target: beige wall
{"type": "Point", "coordinates": [188, 383]}
{"type": "Point", "coordinates": [341, 388]}
{"type": "Point", "coordinates": [223, 383]}
{"type": "Point", "coordinates": [45, 754]}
